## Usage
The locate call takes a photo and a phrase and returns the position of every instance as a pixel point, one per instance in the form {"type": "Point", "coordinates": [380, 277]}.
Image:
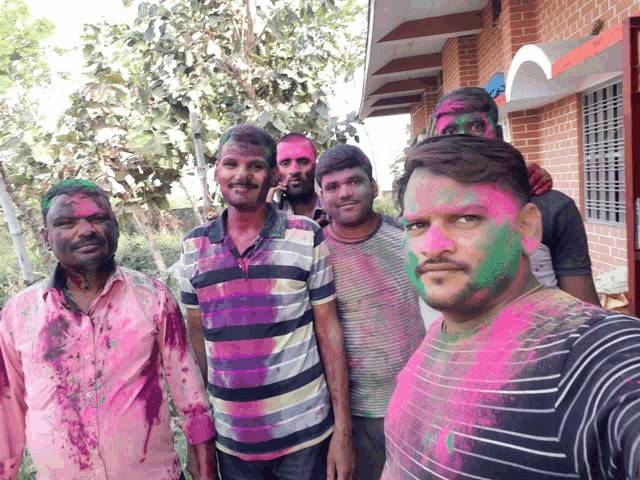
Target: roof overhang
{"type": "Point", "coordinates": [542, 73]}
{"type": "Point", "coordinates": [404, 42]}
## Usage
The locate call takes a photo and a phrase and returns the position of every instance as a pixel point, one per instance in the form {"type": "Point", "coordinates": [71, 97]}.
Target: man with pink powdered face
{"type": "Point", "coordinates": [515, 380]}
{"type": "Point", "coordinates": [562, 259]}
{"type": "Point", "coordinates": [85, 356]}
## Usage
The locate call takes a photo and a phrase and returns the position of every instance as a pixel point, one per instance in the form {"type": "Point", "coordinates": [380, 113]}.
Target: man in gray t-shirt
{"type": "Point", "coordinates": [377, 306]}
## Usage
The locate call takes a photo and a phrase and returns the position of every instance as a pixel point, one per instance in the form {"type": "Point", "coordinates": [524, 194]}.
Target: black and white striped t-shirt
{"type": "Point", "coordinates": [549, 390]}
{"type": "Point", "coordinates": [379, 312]}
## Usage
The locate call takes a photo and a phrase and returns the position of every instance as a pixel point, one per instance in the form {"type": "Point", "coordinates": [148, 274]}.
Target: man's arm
{"type": "Point", "coordinates": [196, 336]}
{"type": "Point", "coordinates": [330, 338]}
{"type": "Point", "coordinates": [580, 286]}
{"type": "Point", "coordinates": [12, 406]}
{"type": "Point", "coordinates": [186, 387]}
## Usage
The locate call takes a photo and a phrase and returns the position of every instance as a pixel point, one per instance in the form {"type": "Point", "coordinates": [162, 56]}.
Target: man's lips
{"type": "Point", "coordinates": [239, 185]}
{"type": "Point", "coordinates": [89, 246]}
{"type": "Point", "coordinates": [439, 267]}
{"type": "Point", "coordinates": [346, 204]}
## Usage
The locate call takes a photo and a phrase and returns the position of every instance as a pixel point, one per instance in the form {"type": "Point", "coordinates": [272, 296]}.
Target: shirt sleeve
{"type": "Point", "coordinates": [320, 280]}
{"type": "Point", "coordinates": [183, 374]}
{"type": "Point", "coordinates": [568, 246]}
{"type": "Point", "coordinates": [188, 258]}
{"type": "Point", "coordinates": [12, 403]}
{"type": "Point", "coordinates": [598, 400]}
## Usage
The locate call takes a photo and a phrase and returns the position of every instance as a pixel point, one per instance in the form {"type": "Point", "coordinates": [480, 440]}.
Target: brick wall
{"type": "Point", "coordinates": [562, 19]}
{"type": "Point", "coordinates": [519, 26]}
{"type": "Point", "coordinates": [468, 60]}
{"type": "Point", "coordinates": [450, 68]}
{"type": "Point", "coordinates": [489, 42]}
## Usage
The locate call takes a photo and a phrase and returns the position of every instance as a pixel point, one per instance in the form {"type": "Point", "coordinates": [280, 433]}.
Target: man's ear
{"type": "Point", "coordinates": [530, 228]}
{"type": "Point", "coordinates": [275, 176]}
{"type": "Point", "coordinates": [45, 237]}
{"type": "Point", "coordinates": [374, 184]}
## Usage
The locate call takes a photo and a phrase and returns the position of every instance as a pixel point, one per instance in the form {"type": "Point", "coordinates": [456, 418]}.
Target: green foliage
{"type": "Point", "coordinates": [269, 62]}
{"type": "Point", "coordinates": [21, 57]}
{"type": "Point", "coordinates": [384, 204]}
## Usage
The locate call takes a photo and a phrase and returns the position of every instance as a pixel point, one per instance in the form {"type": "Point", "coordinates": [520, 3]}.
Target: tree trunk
{"type": "Point", "coordinates": [194, 207]}
{"type": "Point", "coordinates": [29, 217]}
{"type": "Point", "coordinates": [16, 234]}
{"type": "Point", "coordinates": [140, 220]}
{"type": "Point", "coordinates": [202, 171]}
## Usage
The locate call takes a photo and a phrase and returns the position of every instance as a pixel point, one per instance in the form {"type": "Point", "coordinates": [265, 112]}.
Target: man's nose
{"type": "Point", "coordinates": [85, 227]}
{"type": "Point", "coordinates": [436, 241]}
{"type": "Point", "coordinates": [345, 191]}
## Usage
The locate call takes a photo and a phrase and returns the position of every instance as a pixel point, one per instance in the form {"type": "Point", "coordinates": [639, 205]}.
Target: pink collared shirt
{"type": "Point", "coordinates": [86, 392]}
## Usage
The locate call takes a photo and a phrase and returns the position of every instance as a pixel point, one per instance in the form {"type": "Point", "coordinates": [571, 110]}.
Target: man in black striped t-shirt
{"type": "Point", "coordinates": [517, 381]}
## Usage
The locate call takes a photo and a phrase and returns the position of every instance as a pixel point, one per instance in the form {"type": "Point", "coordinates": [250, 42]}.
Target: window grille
{"type": "Point", "coordinates": [603, 147]}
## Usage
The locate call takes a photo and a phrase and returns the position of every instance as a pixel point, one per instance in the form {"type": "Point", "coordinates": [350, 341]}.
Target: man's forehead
{"type": "Point", "coordinates": [295, 146]}
{"type": "Point", "coordinates": [439, 194]}
{"type": "Point", "coordinates": [232, 148]}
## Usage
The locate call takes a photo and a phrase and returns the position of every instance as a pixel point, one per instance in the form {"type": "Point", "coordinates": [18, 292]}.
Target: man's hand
{"type": "Point", "coordinates": [281, 187]}
{"type": "Point", "coordinates": [200, 461]}
{"type": "Point", "coordinates": [539, 179]}
{"type": "Point", "coordinates": [341, 460]}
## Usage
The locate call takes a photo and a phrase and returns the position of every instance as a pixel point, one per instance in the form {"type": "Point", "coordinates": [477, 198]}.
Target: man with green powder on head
{"type": "Point", "coordinates": [562, 258]}
{"type": "Point", "coordinates": [516, 380]}
{"type": "Point", "coordinates": [85, 356]}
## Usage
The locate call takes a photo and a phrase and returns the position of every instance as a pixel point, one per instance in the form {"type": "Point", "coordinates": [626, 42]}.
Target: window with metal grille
{"type": "Point", "coordinates": [603, 147]}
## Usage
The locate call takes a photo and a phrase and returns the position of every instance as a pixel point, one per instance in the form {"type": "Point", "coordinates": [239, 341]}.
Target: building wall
{"type": "Point", "coordinates": [562, 19]}
{"type": "Point", "coordinates": [551, 135]}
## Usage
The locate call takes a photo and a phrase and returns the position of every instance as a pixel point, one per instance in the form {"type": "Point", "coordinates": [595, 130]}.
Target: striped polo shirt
{"type": "Point", "coordinates": [265, 376]}
{"type": "Point", "coordinates": [550, 389]}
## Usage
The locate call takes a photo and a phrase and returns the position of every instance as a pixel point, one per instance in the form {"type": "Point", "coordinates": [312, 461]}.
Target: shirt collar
{"type": "Point", "coordinates": [57, 282]}
{"type": "Point", "coordinates": [274, 225]}
{"type": "Point", "coordinates": [318, 209]}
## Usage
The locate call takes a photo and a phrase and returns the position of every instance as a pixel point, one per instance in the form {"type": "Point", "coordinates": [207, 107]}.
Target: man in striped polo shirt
{"type": "Point", "coordinates": [377, 307]}
{"type": "Point", "coordinates": [517, 381]}
{"type": "Point", "coordinates": [260, 298]}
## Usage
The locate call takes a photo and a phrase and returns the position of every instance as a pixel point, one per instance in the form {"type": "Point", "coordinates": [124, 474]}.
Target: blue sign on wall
{"type": "Point", "coordinates": [496, 86]}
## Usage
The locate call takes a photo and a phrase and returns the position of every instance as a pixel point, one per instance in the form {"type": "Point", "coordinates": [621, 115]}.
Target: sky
{"type": "Point", "coordinates": [382, 138]}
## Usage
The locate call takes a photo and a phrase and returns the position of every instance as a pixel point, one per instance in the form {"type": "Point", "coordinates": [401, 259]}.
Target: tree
{"type": "Point", "coordinates": [22, 67]}
{"type": "Point", "coordinates": [268, 62]}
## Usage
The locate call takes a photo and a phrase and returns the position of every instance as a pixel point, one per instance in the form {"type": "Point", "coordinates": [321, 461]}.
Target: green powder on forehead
{"type": "Point", "coordinates": [72, 182]}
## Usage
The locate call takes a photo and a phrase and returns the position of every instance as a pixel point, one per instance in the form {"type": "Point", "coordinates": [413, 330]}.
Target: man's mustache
{"type": "Point", "coordinates": [244, 185]}
{"type": "Point", "coordinates": [90, 241]}
{"type": "Point", "coordinates": [438, 264]}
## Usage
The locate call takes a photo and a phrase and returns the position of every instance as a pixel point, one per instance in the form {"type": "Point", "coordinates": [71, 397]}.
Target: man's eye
{"type": "Point", "coordinates": [449, 131]}
{"type": "Point", "coordinates": [285, 163]}
{"type": "Point", "coordinates": [467, 219]}
{"type": "Point", "coordinates": [356, 181]}
{"type": "Point", "coordinates": [477, 126]}
{"type": "Point", "coordinates": [416, 226]}
{"type": "Point", "coordinates": [330, 188]}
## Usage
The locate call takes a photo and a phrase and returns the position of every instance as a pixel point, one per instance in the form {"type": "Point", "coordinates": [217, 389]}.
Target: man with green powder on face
{"type": "Point", "coordinates": [516, 381]}
{"type": "Point", "coordinates": [562, 259]}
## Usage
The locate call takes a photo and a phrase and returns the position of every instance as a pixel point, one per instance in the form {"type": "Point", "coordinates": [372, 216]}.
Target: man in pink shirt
{"type": "Point", "coordinates": [83, 354]}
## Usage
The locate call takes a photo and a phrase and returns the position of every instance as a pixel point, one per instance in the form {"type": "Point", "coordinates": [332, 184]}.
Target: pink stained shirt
{"type": "Point", "coordinates": [85, 392]}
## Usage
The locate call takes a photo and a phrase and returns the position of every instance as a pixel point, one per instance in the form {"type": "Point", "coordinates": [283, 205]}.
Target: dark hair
{"type": "Point", "coordinates": [466, 100]}
{"type": "Point", "coordinates": [340, 158]}
{"type": "Point", "coordinates": [70, 187]}
{"type": "Point", "coordinates": [252, 135]}
{"type": "Point", "coordinates": [297, 136]}
{"type": "Point", "coordinates": [468, 160]}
